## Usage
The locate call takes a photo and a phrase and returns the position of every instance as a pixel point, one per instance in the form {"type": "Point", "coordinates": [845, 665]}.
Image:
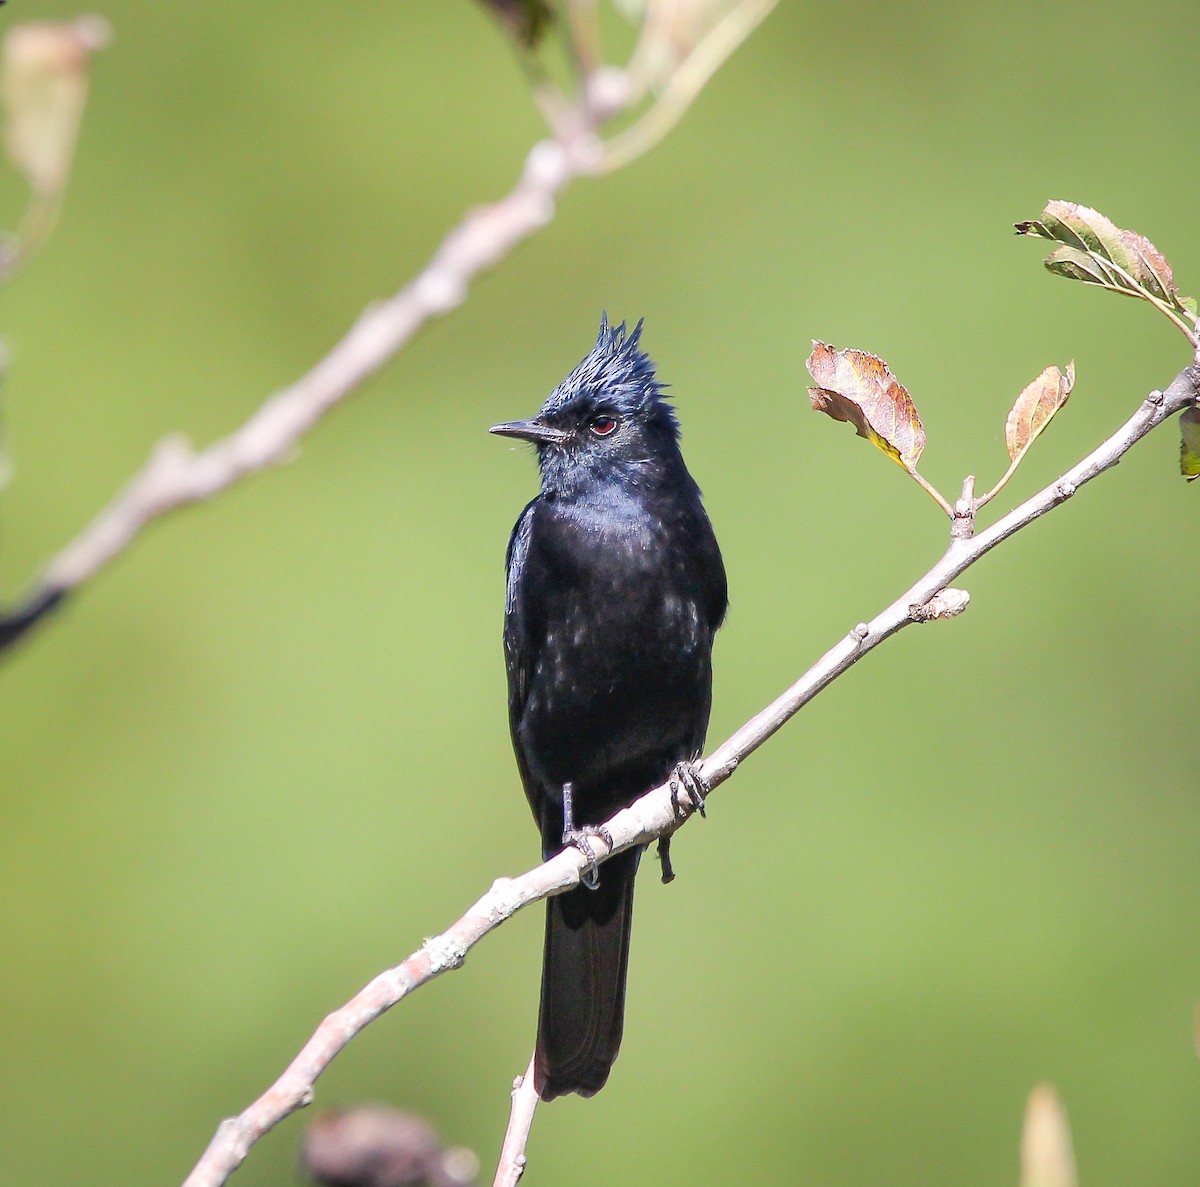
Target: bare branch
{"type": "Point", "coordinates": [659, 812]}
{"type": "Point", "coordinates": [512, 1154]}
{"type": "Point", "coordinates": [175, 475]}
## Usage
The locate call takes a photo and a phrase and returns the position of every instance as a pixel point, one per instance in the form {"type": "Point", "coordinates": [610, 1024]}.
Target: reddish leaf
{"type": "Point", "coordinates": [1034, 407]}
{"type": "Point", "coordinates": [858, 388]}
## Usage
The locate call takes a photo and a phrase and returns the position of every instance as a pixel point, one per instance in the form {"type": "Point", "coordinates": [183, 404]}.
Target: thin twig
{"type": "Point", "coordinates": [511, 1165]}
{"type": "Point", "coordinates": [1134, 288]}
{"type": "Point", "coordinates": [984, 499]}
{"type": "Point", "coordinates": [685, 83]}
{"type": "Point", "coordinates": [583, 41]}
{"type": "Point", "coordinates": [659, 813]}
{"type": "Point", "coordinates": [933, 492]}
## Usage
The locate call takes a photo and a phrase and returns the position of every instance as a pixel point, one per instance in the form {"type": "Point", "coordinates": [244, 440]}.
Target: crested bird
{"type": "Point", "coordinates": [615, 590]}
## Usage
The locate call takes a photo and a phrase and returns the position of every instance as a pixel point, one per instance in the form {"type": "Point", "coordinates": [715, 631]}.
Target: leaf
{"type": "Point", "coordinates": [1189, 444]}
{"type": "Point", "coordinates": [858, 388]}
{"type": "Point", "coordinates": [526, 20]}
{"type": "Point", "coordinates": [1075, 264]}
{"type": "Point", "coordinates": [1047, 1159]}
{"type": "Point", "coordinates": [1096, 251]}
{"type": "Point", "coordinates": [43, 88]}
{"type": "Point", "coordinates": [1035, 407]}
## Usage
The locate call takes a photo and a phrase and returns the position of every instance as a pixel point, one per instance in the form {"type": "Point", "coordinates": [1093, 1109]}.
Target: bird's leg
{"type": "Point", "coordinates": [687, 776]}
{"type": "Point", "coordinates": [581, 838]}
{"type": "Point", "coordinates": [664, 856]}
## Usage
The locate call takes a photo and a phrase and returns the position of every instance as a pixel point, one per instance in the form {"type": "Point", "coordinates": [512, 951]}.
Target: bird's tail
{"type": "Point", "coordinates": [583, 981]}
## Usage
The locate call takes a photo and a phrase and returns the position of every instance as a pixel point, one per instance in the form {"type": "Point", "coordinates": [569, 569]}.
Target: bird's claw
{"type": "Point", "coordinates": [581, 838]}
{"type": "Point", "coordinates": [686, 778]}
{"type": "Point", "coordinates": [688, 790]}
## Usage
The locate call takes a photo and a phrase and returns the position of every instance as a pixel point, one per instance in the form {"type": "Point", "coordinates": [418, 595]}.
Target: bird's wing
{"type": "Point", "coordinates": [718, 590]}
{"type": "Point", "coordinates": [520, 643]}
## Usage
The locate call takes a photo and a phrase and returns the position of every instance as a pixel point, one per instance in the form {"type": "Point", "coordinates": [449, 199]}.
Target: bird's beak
{"type": "Point", "coordinates": [530, 430]}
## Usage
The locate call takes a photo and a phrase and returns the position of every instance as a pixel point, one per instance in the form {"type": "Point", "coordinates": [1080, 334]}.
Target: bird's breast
{"type": "Point", "coordinates": [614, 598]}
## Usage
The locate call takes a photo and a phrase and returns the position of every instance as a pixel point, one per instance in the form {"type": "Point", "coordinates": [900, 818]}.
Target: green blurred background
{"type": "Point", "coordinates": [265, 753]}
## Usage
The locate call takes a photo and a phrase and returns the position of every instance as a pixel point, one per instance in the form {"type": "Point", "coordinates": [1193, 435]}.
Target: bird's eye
{"type": "Point", "coordinates": [602, 425]}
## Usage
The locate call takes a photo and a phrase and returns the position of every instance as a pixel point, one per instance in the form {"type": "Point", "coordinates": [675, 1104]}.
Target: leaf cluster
{"type": "Point", "coordinates": [860, 389]}
{"type": "Point", "coordinates": [1094, 250]}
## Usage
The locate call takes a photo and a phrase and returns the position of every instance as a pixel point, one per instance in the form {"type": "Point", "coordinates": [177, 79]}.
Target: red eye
{"type": "Point", "coordinates": [602, 425]}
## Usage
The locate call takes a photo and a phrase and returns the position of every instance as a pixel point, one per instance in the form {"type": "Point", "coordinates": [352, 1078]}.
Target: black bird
{"type": "Point", "coordinates": [615, 590]}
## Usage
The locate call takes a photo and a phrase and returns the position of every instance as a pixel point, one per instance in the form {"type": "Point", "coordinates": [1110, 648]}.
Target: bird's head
{"type": "Point", "coordinates": [607, 417]}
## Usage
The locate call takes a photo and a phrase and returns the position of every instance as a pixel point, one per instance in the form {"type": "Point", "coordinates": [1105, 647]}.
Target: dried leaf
{"type": "Point", "coordinates": [43, 88]}
{"type": "Point", "coordinates": [1189, 445]}
{"type": "Point", "coordinates": [526, 20]}
{"type": "Point", "coordinates": [1096, 251]}
{"type": "Point", "coordinates": [1035, 406]}
{"type": "Point", "coordinates": [860, 389]}
{"type": "Point", "coordinates": [1047, 1159]}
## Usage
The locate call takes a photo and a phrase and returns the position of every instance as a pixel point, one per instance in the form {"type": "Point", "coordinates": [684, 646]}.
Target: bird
{"type": "Point", "coordinates": [615, 589]}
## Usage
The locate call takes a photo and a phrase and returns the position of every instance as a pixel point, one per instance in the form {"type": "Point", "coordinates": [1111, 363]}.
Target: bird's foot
{"type": "Point", "coordinates": [664, 856]}
{"type": "Point", "coordinates": [688, 789]}
{"type": "Point", "coordinates": [581, 838]}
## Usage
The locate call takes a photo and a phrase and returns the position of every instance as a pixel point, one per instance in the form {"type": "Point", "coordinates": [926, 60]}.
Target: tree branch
{"type": "Point", "coordinates": [176, 475]}
{"type": "Point", "coordinates": [512, 1154]}
{"type": "Point", "coordinates": [659, 812]}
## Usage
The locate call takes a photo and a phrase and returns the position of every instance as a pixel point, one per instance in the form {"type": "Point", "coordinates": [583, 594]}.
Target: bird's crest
{"type": "Point", "coordinates": [615, 369]}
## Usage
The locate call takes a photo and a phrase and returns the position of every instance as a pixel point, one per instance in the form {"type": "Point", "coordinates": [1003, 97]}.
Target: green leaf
{"type": "Point", "coordinates": [1096, 251]}
{"type": "Point", "coordinates": [1189, 444]}
{"type": "Point", "coordinates": [1077, 264]}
